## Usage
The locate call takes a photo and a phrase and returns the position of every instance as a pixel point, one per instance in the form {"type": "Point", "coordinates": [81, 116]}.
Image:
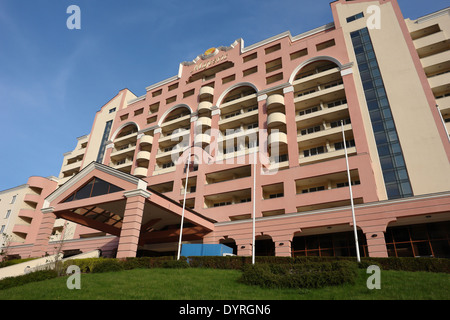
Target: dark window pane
{"type": "Point", "coordinates": [100, 188]}
{"type": "Point", "coordinates": [84, 192]}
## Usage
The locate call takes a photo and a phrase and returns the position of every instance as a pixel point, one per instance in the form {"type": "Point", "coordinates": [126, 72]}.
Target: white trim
{"type": "Point", "coordinates": [136, 100]}
{"type": "Point", "coordinates": [234, 86]}
{"type": "Point", "coordinates": [346, 72]}
{"type": "Point", "coordinates": [314, 59]}
{"type": "Point", "coordinates": [288, 89]}
{"type": "Point", "coordinates": [83, 173]}
{"type": "Point", "coordinates": [180, 105]}
{"type": "Point", "coordinates": [163, 82]}
{"type": "Point", "coordinates": [113, 137]}
{"type": "Point", "coordinates": [136, 193]}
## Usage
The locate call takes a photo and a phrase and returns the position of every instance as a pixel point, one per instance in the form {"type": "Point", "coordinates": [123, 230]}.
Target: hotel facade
{"type": "Point", "coordinates": [264, 130]}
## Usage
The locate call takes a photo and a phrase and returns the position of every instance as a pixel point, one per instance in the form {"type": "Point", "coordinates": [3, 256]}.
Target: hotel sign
{"type": "Point", "coordinates": [216, 60]}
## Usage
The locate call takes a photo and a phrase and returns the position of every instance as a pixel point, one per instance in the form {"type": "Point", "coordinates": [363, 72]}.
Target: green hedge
{"type": "Point", "coordinates": [400, 264]}
{"type": "Point", "coordinates": [27, 278]}
{"type": "Point", "coordinates": [98, 265]}
{"type": "Point", "coordinates": [300, 275]}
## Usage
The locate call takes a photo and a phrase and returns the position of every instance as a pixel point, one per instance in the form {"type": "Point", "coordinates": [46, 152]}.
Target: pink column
{"type": "Point", "coordinates": [282, 248]}
{"type": "Point", "coordinates": [40, 247]}
{"type": "Point", "coordinates": [155, 146]}
{"type": "Point", "coordinates": [132, 220]}
{"type": "Point", "coordinates": [291, 126]}
{"type": "Point", "coordinates": [374, 232]}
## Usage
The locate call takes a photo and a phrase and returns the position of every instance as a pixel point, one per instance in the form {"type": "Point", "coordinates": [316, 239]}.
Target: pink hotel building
{"type": "Point", "coordinates": [289, 100]}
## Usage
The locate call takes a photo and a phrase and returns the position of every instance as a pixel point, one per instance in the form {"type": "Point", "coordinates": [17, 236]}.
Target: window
{"type": "Point", "coordinates": [314, 151]}
{"type": "Point", "coordinates": [355, 17]}
{"type": "Point", "coordinates": [13, 199]}
{"type": "Point", "coordinates": [299, 54]}
{"type": "Point", "coordinates": [308, 111]}
{"type": "Point", "coordinates": [8, 213]}
{"type": "Point", "coordinates": [112, 110]}
{"type": "Point", "coordinates": [104, 141]}
{"type": "Point", "coordinates": [326, 44]}
{"type": "Point", "coordinates": [221, 204]}
{"type": "Point", "coordinates": [340, 145]}
{"type": "Point", "coordinates": [168, 165]}
{"type": "Point", "coordinates": [95, 187]}
{"type": "Point", "coordinates": [388, 145]}
{"type": "Point", "coordinates": [313, 189]}
{"type": "Point", "coordinates": [310, 130]}
{"type": "Point", "coordinates": [250, 57]}
{"type": "Point", "coordinates": [337, 123]}
{"type": "Point", "coordinates": [273, 48]}
{"type": "Point", "coordinates": [2, 229]}
{"type": "Point", "coordinates": [276, 195]}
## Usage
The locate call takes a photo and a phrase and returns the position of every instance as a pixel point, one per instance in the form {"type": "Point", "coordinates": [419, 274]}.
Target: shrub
{"type": "Point", "coordinates": [107, 265]}
{"type": "Point", "coordinates": [300, 275]}
{"type": "Point", "coordinates": [27, 278]}
{"type": "Point", "coordinates": [175, 264]}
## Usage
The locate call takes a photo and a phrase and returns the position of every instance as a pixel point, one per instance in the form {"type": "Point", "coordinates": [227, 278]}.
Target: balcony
{"type": "Point", "coordinates": [274, 100]}
{"type": "Point", "coordinates": [444, 104]}
{"type": "Point", "coordinates": [276, 119]}
{"type": "Point", "coordinates": [429, 40]}
{"type": "Point", "coordinates": [326, 92]}
{"type": "Point", "coordinates": [204, 106]}
{"type": "Point", "coordinates": [26, 213]}
{"type": "Point", "coordinates": [328, 71]}
{"type": "Point", "coordinates": [140, 172]}
{"type": "Point", "coordinates": [440, 81]}
{"type": "Point", "coordinates": [146, 140]}
{"type": "Point", "coordinates": [203, 122]}
{"type": "Point", "coordinates": [174, 136]}
{"type": "Point", "coordinates": [126, 138]}
{"type": "Point", "coordinates": [435, 59]}
{"type": "Point", "coordinates": [325, 114]}
{"type": "Point", "coordinates": [329, 155]}
{"type": "Point", "coordinates": [238, 117]}
{"type": "Point", "coordinates": [21, 228]}
{"type": "Point", "coordinates": [277, 137]}
{"type": "Point", "coordinates": [324, 134]}
{"type": "Point", "coordinates": [123, 164]}
{"type": "Point", "coordinates": [124, 150]}
{"type": "Point", "coordinates": [206, 92]}
{"type": "Point", "coordinates": [75, 166]}
{"type": "Point", "coordinates": [202, 138]}
{"type": "Point", "coordinates": [143, 156]}
{"type": "Point", "coordinates": [246, 100]}
{"type": "Point", "coordinates": [33, 198]}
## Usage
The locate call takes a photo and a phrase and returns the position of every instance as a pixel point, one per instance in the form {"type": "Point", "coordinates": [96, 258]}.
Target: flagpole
{"type": "Point", "coordinates": [254, 207]}
{"type": "Point", "coordinates": [351, 194]}
{"type": "Point", "coordinates": [184, 203]}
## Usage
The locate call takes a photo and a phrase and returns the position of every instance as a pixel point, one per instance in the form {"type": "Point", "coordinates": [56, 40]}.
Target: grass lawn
{"type": "Point", "coordinates": [209, 284]}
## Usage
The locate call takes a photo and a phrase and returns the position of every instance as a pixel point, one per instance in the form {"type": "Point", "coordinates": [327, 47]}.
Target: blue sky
{"type": "Point", "coordinates": [53, 80]}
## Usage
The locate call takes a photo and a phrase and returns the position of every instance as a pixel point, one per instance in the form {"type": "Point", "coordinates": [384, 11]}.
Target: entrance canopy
{"type": "Point", "coordinates": [101, 198]}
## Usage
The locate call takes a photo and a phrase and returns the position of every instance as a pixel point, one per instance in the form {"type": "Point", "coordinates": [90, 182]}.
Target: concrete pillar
{"type": "Point", "coordinates": [45, 231]}
{"type": "Point", "coordinates": [132, 221]}
{"type": "Point", "coordinates": [282, 248]}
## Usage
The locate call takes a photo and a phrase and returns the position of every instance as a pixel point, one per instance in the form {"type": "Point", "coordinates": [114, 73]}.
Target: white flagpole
{"type": "Point", "coordinates": [184, 203]}
{"type": "Point", "coordinates": [351, 194]}
{"type": "Point", "coordinates": [254, 206]}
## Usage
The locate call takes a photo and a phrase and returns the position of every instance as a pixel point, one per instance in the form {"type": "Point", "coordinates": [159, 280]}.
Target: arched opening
{"type": "Point", "coordinates": [338, 244]}
{"type": "Point", "coordinates": [229, 242]}
{"type": "Point", "coordinates": [320, 106]}
{"type": "Point", "coordinates": [264, 246]}
{"type": "Point", "coordinates": [175, 129]}
{"type": "Point", "coordinates": [122, 155]}
{"type": "Point", "coordinates": [238, 120]}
